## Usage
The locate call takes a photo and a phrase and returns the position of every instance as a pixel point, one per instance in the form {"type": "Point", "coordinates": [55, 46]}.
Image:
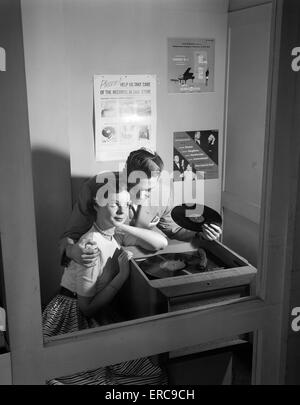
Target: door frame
{"type": "Point", "coordinates": [34, 362]}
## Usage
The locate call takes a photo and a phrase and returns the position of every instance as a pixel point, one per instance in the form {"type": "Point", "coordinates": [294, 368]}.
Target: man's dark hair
{"type": "Point", "coordinates": [145, 161]}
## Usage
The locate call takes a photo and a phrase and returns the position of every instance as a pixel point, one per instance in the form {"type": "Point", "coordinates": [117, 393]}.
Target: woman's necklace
{"type": "Point", "coordinates": [108, 236]}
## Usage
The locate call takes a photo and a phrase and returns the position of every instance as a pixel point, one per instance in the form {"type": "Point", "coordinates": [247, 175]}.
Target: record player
{"type": "Point", "coordinates": [182, 276]}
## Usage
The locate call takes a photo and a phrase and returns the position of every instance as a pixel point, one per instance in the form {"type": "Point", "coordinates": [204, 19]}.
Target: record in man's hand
{"type": "Point", "coordinates": [193, 217]}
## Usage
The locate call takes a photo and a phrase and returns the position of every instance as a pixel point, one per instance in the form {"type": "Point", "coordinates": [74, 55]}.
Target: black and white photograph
{"type": "Point", "coordinates": [150, 195]}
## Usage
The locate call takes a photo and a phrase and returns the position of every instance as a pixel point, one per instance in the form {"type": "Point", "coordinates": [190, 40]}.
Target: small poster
{"type": "Point", "coordinates": [195, 155]}
{"type": "Point", "coordinates": [191, 65]}
{"type": "Point", "coordinates": [125, 115]}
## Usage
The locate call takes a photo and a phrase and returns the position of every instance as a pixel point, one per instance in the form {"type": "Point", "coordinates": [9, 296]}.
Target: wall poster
{"type": "Point", "coordinates": [191, 65]}
{"type": "Point", "coordinates": [195, 152]}
{"type": "Point", "coordinates": [125, 115]}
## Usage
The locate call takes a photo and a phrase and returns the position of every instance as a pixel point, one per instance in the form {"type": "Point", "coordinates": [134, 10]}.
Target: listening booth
{"type": "Point", "coordinates": [196, 90]}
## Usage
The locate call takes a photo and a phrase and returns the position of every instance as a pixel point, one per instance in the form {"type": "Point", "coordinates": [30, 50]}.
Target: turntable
{"type": "Point", "coordinates": [183, 276]}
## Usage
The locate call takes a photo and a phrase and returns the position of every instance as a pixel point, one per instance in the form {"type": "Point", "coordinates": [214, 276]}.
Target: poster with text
{"type": "Point", "coordinates": [125, 115]}
{"type": "Point", "coordinates": [191, 65]}
{"type": "Point", "coordinates": [195, 155]}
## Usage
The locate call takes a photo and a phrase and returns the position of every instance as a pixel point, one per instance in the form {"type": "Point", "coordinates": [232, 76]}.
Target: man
{"type": "Point", "coordinates": [197, 138]}
{"type": "Point", "coordinates": [177, 169]}
{"type": "Point", "coordinates": [143, 213]}
{"type": "Point", "coordinates": [176, 166]}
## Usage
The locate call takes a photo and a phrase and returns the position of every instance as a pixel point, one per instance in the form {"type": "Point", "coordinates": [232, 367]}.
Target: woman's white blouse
{"type": "Point", "coordinates": [88, 282]}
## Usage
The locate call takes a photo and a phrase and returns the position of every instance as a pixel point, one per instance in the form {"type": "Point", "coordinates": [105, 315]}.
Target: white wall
{"type": "Point", "coordinates": [66, 43]}
{"type": "Point", "coordinates": [131, 37]}
{"type": "Point", "coordinates": [45, 65]}
{"type": "Point", "coordinates": [249, 44]}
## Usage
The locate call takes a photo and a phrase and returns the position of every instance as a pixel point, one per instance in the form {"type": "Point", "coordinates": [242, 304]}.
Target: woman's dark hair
{"type": "Point", "coordinates": [144, 160]}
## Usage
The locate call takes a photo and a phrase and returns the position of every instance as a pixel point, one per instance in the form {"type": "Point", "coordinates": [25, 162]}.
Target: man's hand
{"type": "Point", "coordinates": [211, 232]}
{"type": "Point", "coordinates": [85, 254]}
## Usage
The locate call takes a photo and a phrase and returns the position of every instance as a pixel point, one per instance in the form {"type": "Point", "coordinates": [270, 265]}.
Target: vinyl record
{"type": "Point", "coordinates": [174, 264]}
{"type": "Point", "coordinates": [162, 266]}
{"type": "Point", "coordinates": [194, 217]}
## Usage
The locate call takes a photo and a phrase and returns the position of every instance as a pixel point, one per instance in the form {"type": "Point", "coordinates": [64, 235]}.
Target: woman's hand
{"type": "Point", "coordinates": [85, 253]}
{"type": "Point", "coordinates": [90, 306]}
{"type": "Point", "coordinates": [124, 266]}
{"type": "Point", "coordinates": [211, 232]}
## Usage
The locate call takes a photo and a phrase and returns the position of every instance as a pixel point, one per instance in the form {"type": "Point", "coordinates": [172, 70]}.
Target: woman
{"type": "Point", "coordinates": [86, 294]}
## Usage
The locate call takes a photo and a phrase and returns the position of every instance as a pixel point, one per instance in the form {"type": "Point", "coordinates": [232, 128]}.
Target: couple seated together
{"type": "Point", "coordinates": [96, 265]}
